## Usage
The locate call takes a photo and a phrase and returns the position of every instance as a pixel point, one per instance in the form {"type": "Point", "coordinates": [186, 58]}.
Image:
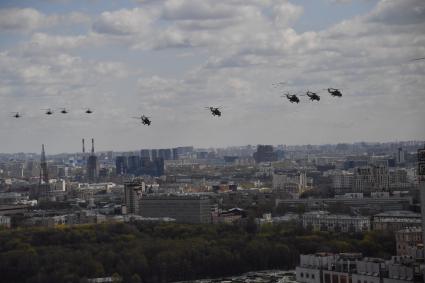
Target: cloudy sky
{"type": "Point", "coordinates": [168, 59]}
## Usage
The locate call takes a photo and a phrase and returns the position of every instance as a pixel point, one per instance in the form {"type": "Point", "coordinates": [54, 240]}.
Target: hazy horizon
{"type": "Point", "coordinates": [88, 147]}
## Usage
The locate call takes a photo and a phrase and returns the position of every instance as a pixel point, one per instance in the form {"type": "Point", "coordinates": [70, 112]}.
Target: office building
{"type": "Point", "coordinates": [121, 165]}
{"type": "Point", "coordinates": [145, 154]}
{"type": "Point", "coordinates": [133, 164]}
{"type": "Point", "coordinates": [291, 183]}
{"type": "Point", "coordinates": [133, 191]}
{"type": "Point", "coordinates": [165, 154]}
{"type": "Point", "coordinates": [265, 153]}
{"type": "Point", "coordinates": [185, 209]}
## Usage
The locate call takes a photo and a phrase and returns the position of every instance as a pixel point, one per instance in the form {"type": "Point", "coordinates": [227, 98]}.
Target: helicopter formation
{"type": "Point", "coordinates": [215, 111]}
{"type": "Point", "coordinates": [49, 112]}
{"type": "Point", "coordinates": [313, 96]}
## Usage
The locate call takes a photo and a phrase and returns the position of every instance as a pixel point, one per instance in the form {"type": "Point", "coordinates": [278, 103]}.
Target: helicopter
{"type": "Point", "coordinates": [279, 84]}
{"type": "Point", "coordinates": [16, 115]}
{"type": "Point", "coordinates": [312, 95]}
{"type": "Point", "coordinates": [89, 111]}
{"type": "Point", "coordinates": [215, 111]}
{"type": "Point", "coordinates": [145, 120]}
{"type": "Point", "coordinates": [335, 92]}
{"type": "Point", "coordinates": [64, 111]}
{"type": "Point", "coordinates": [292, 98]}
{"type": "Point", "coordinates": [48, 111]}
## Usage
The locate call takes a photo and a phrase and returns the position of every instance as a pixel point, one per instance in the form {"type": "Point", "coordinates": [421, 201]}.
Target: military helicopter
{"type": "Point", "coordinates": [48, 111]}
{"type": "Point", "coordinates": [335, 92]}
{"type": "Point", "coordinates": [292, 98]}
{"type": "Point", "coordinates": [145, 120]}
{"type": "Point", "coordinates": [312, 95]}
{"type": "Point", "coordinates": [215, 111]}
{"type": "Point", "coordinates": [16, 115]}
{"type": "Point", "coordinates": [64, 111]}
{"type": "Point", "coordinates": [279, 84]}
{"type": "Point", "coordinates": [89, 111]}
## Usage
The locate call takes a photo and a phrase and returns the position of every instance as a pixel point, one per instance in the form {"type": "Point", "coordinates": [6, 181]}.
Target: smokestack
{"type": "Point", "coordinates": [92, 146]}
{"type": "Point", "coordinates": [84, 148]}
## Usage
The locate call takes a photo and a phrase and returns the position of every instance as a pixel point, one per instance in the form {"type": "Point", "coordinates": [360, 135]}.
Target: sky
{"type": "Point", "coordinates": [169, 59]}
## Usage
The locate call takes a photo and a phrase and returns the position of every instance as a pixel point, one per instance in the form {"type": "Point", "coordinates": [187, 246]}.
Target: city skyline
{"type": "Point", "coordinates": [228, 147]}
{"type": "Point", "coordinates": [169, 59]}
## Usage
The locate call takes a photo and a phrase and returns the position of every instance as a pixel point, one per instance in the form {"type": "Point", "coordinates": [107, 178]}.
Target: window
{"type": "Point", "coordinates": [302, 275]}
{"type": "Point", "coordinates": [327, 278]}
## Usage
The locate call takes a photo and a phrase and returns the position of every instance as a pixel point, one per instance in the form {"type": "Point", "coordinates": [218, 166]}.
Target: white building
{"type": "Point", "coordinates": [342, 181]}
{"type": "Point", "coordinates": [294, 184]}
{"type": "Point", "coordinates": [352, 268]}
{"type": "Point", "coordinates": [324, 221]}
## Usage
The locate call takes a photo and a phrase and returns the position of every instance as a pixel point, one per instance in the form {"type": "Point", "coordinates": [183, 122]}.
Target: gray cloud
{"type": "Point", "coordinates": [399, 12]}
{"type": "Point", "coordinates": [232, 56]}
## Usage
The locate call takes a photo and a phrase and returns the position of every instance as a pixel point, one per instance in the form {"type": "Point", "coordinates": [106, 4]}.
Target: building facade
{"type": "Point", "coordinates": [184, 209]}
{"type": "Point", "coordinates": [324, 221]}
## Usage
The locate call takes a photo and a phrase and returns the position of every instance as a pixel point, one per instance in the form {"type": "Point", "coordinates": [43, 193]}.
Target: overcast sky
{"type": "Point", "coordinates": [168, 59]}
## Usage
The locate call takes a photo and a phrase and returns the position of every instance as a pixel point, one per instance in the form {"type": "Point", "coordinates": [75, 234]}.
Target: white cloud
{"type": "Point", "coordinates": [236, 49]}
{"type": "Point", "coordinates": [29, 19]}
{"type": "Point", "coordinates": [123, 22]}
{"type": "Point", "coordinates": [22, 19]}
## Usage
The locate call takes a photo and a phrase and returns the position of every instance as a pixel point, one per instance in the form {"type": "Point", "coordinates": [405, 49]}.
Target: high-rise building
{"type": "Point", "coordinates": [133, 191]}
{"type": "Point", "coordinates": [154, 154]}
{"type": "Point", "coordinates": [400, 159]}
{"type": "Point", "coordinates": [133, 164]}
{"type": "Point", "coordinates": [121, 165]}
{"type": "Point", "coordinates": [421, 180]}
{"type": "Point", "coordinates": [145, 153]}
{"type": "Point", "coordinates": [265, 153]}
{"type": "Point", "coordinates": [92, 165]}
{"type": "Point", "coordinates": [44, 174]}
{"type": "Point", "coordinates": [166, 153]}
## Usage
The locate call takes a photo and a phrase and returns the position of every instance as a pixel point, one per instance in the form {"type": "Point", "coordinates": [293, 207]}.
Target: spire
{"type": "Point", "coordinates": [84, 148]}
{"type": "Point", "coordinates": [92, 146]}
{"type": "Point", "coordinates": [43, 154]}
{"type": "Point", "coordinates": [44, 176]}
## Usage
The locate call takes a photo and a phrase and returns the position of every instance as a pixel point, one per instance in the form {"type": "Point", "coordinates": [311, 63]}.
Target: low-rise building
{"type": "Point", "coordinates": [352, 268]}
{"type": "Point", "coordinates": [396, 220]}
{"type": "Point", "coordinates": [324, 221]}
{"type": "Point", "coordinates": [406, 239]}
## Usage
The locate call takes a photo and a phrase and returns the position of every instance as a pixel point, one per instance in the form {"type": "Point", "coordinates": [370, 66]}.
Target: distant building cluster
{"type": "Point", "coordinates": [342, 188]}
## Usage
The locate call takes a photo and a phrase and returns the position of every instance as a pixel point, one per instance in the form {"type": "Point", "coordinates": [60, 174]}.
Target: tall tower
{"type": "Point", "coordinates": [92, 165]}
{"type": "Point", "coordinates": [44, 175]}
{"type": "Point", "coordinates": [43, 191]}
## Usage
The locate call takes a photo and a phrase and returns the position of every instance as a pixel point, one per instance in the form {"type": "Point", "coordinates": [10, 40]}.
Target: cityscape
{"type": "Point", "coordinates": [348, 189]}
{"type": "Point", "coordinates": [212, 141]}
